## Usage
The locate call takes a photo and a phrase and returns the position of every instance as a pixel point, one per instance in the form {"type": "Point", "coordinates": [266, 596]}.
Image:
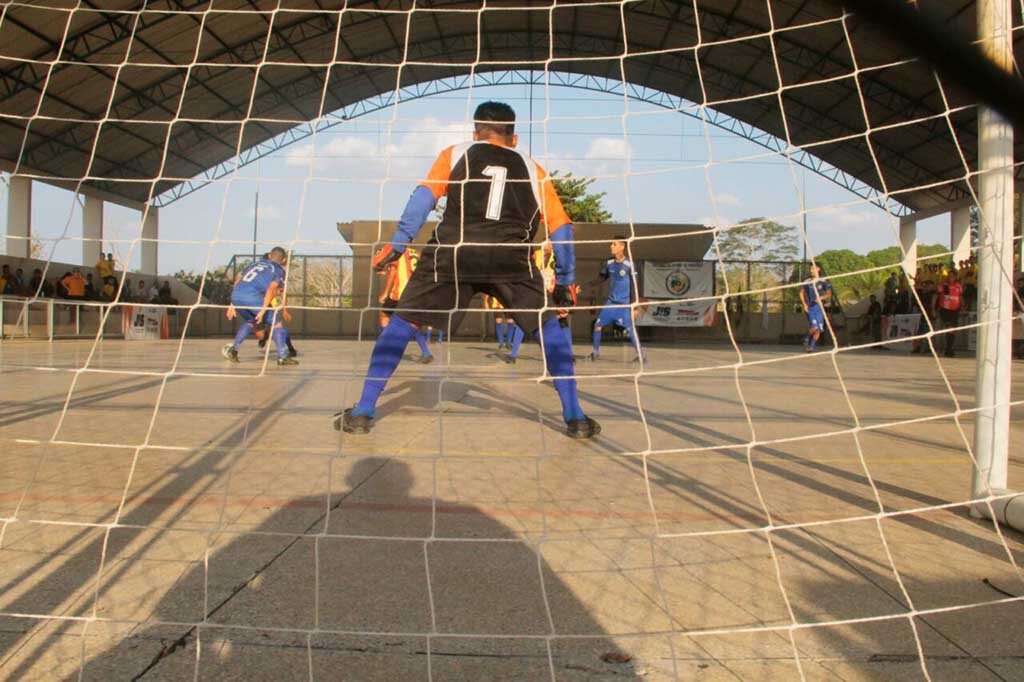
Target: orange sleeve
{"type": "Point", "coordinates": [550, 205]}
{"type": "Point", "coordinates": [440, 173]}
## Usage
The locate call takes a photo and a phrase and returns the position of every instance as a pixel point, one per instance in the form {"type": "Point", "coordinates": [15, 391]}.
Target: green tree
{"type": "Point", "coordinates": [581, 205]}
{"type": "Point", "coordinates": [759, 239]}
{"type": "Point", "coordinates": [216, 288]}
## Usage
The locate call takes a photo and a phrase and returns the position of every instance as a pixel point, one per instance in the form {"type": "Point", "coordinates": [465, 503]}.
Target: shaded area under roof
{"type": "Point", "coordinates": [139, 101]}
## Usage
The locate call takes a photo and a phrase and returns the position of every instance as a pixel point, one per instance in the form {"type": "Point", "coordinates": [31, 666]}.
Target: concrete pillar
{"type": "Point", "coordinates": [995, 267]}
{"type": "Point", "coordinates": [19, 216]}
{"type": "Point", "coordinates": [92, 230]}
{"type": "Point", "coordinates": [908, 241]}
{"type": "Point", "coordinates": [960, 233]}
{"type": "Point", "coordinates": [150, 237]}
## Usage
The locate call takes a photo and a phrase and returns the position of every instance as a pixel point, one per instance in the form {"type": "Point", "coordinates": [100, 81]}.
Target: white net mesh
{"type": "Point", "coordinates": [749, 511]}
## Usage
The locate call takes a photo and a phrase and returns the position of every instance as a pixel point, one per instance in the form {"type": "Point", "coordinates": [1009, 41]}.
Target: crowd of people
{"type": "Point", "coordinates": [941, 292]}
{"type": "Point", "coordinates": [76, 286]}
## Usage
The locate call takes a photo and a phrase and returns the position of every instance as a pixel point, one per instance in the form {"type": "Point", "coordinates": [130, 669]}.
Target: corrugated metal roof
{"type": "Point", "coordinates": [168, 87]}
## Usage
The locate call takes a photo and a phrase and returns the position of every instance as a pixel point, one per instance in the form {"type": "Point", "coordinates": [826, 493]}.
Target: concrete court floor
{"type": "Point", "coordinates": [212, 525]}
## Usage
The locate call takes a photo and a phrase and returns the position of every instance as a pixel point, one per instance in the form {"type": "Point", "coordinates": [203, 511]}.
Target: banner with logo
{"type": "Point", "coordinates": [144, 322]}
{"type": "Point", "coordinates": [901, 327]}
{"type": "Point", "coordinates": [680, 279]}
{"type": "Point", "coordinates": [675, 280]}
{"type": "Point", "coordinates": [681, 314]}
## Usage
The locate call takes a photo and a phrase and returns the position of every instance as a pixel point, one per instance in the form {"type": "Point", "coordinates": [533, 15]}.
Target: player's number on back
{"type": "Point", "coordinates": [253, 273]}
{"type": "Point", "coordinates": [498, 175]}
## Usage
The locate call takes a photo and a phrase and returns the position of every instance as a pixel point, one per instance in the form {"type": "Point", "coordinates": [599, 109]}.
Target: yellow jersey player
{"type": "Point", "coordinates": [398, 273]}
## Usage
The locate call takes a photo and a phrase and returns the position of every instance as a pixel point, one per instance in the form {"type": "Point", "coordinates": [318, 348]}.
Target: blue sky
{"type": "Point", "coordinates": [656, 165]}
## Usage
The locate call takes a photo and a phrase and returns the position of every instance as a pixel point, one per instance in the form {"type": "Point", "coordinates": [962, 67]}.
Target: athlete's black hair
{"type": "Point", "coordinates": [496, 117]}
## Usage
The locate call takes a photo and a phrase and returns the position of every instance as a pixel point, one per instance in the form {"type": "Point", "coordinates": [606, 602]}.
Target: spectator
{"type": "Point", "coordinates": [109, 289]}
{"type": "Point", "coordinates": [62, 291]}
{"type": "Point", "coordinates": [874, 315]}
{"type": "Point", "coordinates": [105, 266]}
{"type": "Point", "coordinates": [969, 279]}
{"type": "Point", "coordinates": [153, 294]}
{"type": "Point", "coordinates": [15, 286]}
{"type": "Point", "coordinates": [141, 294]}
{"type": "Point", "coordinates": [127, 293]}
{"type": "Point", "coordinates": [890, 286]}
{"type": "Point", "coordinates": [74, 285]}
{"type": "Point", "coordinates": [5, 277]}
{"type": "Point", "coordinates": [903, 299]}
{"type": "Point", "coordinates": [948, 301]}
{"type": "Point", "coordinates": [90, 288]}
{"type": "Point", "coordinates": [927, 296]}
{"type": "Point", "coordinates": [37, 286]}
{"type": "Point", "coordinates": [164, 297]}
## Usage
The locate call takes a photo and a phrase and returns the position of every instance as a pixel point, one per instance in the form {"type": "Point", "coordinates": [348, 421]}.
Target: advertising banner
{"type": "Point", "coordinates": [145, 322]}
{"type": "Point", "coordinates": [678, 280]}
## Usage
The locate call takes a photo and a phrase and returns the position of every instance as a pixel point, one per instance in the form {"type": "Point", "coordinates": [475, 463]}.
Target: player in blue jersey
{"type": "Point", "coordinates": [618, 272]}
{"type": "Point", "coordinates": [815, 294]}
{"type": "Point", "coordinates": [252, 299]}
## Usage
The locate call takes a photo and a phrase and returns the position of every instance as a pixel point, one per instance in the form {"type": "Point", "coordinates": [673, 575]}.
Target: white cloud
{"type": "Point", "coordinates": [726, 199]}
{"type": "Point", "coordinates": [608, 149]}
{"type": "Point", "coordinates": [832, 218]}
{"type": "Point", "coordinates": [268, 212]}
{"type": "Point", "coordinates": [410, 150]}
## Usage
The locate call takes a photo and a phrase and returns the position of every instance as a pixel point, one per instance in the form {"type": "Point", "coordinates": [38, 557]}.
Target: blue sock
{"type": "Point", "coordinates": [280, 337]}
{"type": "Point", "coordinates": [813, 342]}
{"type": "Point", "coordinates": [499, 331]}
{"type": "Point", "coordinates": [636, 342]}
{"type": "Point", "coordinates": [559, 360]}
{"type": "Point", "coordinates": [242, 334]}
{"type": "Point", "coordinates": [517, 340]}
{"type": "Point", "coordinates": [597, 341]}
{"type": "Point", "coordinates": [387, 353]}
{"type": "Point", "coordinates": [421, 341]}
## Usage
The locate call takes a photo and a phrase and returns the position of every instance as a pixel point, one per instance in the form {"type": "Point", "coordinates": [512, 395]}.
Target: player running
{"type": "Point", "coordinates": [618, 272]}
{"type": "Point", "coordinates": [398, 273]}
{"type": "Point", "coordinates": [497, 198]}
{"type": "Point", "coordinates": [815, 293]}
{"type": "Point", "coordinates": [252, 299]}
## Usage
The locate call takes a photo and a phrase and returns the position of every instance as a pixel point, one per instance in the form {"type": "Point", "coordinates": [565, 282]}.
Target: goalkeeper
{"type": "Point", "coordinates": [497, 198]}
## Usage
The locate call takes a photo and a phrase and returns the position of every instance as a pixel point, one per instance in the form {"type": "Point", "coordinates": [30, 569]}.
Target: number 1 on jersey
{"type": "Point", "coordinates": [497, 174]}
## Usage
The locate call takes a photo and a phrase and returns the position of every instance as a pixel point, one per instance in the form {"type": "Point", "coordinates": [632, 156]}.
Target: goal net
{"type": "Point", "coordinates": [795, 248]}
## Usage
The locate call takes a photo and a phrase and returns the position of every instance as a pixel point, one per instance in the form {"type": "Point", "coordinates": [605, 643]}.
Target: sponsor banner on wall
{"type": "Point", "coordinates": [901, 327]}
{"type": "Point", "coordinates": [145, 322]}
{"type": "Point", "coordinates": [679, 279]}
{"type": "Point", "coordinates": [678, 314]}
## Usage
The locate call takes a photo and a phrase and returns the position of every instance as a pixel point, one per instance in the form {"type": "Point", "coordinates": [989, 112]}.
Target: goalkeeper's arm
{"type": "Point", "coordinates": [417, 209]}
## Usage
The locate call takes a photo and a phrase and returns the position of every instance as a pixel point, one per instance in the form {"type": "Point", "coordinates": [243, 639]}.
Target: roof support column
{"type": "Point", "coordinates": [19, 216]}
{"type": "Point", "coordinates": [908, 242]}
{"type": "Point", "coordinates": [92, 229]}
{"type": "Point", "coordinates": [995, 268]}
{"type": "Point", "coordinates": [150, 239]}
{"type": "Point", "coordinates": [960, 233]}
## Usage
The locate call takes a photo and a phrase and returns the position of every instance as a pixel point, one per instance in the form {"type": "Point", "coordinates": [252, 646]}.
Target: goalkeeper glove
{"type": "Point", "coordinates": [564, 295]}
{"type": "Point", "coordinates": [385, 257]}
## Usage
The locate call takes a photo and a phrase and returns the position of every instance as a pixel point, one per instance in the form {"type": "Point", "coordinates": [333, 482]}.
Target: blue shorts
{"type": "Point", "coordinates": [248, 310]}
{"type": "Point", "coordinates": [816, 318]}
{"type": "Point", "coordinates": [615, 314]}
